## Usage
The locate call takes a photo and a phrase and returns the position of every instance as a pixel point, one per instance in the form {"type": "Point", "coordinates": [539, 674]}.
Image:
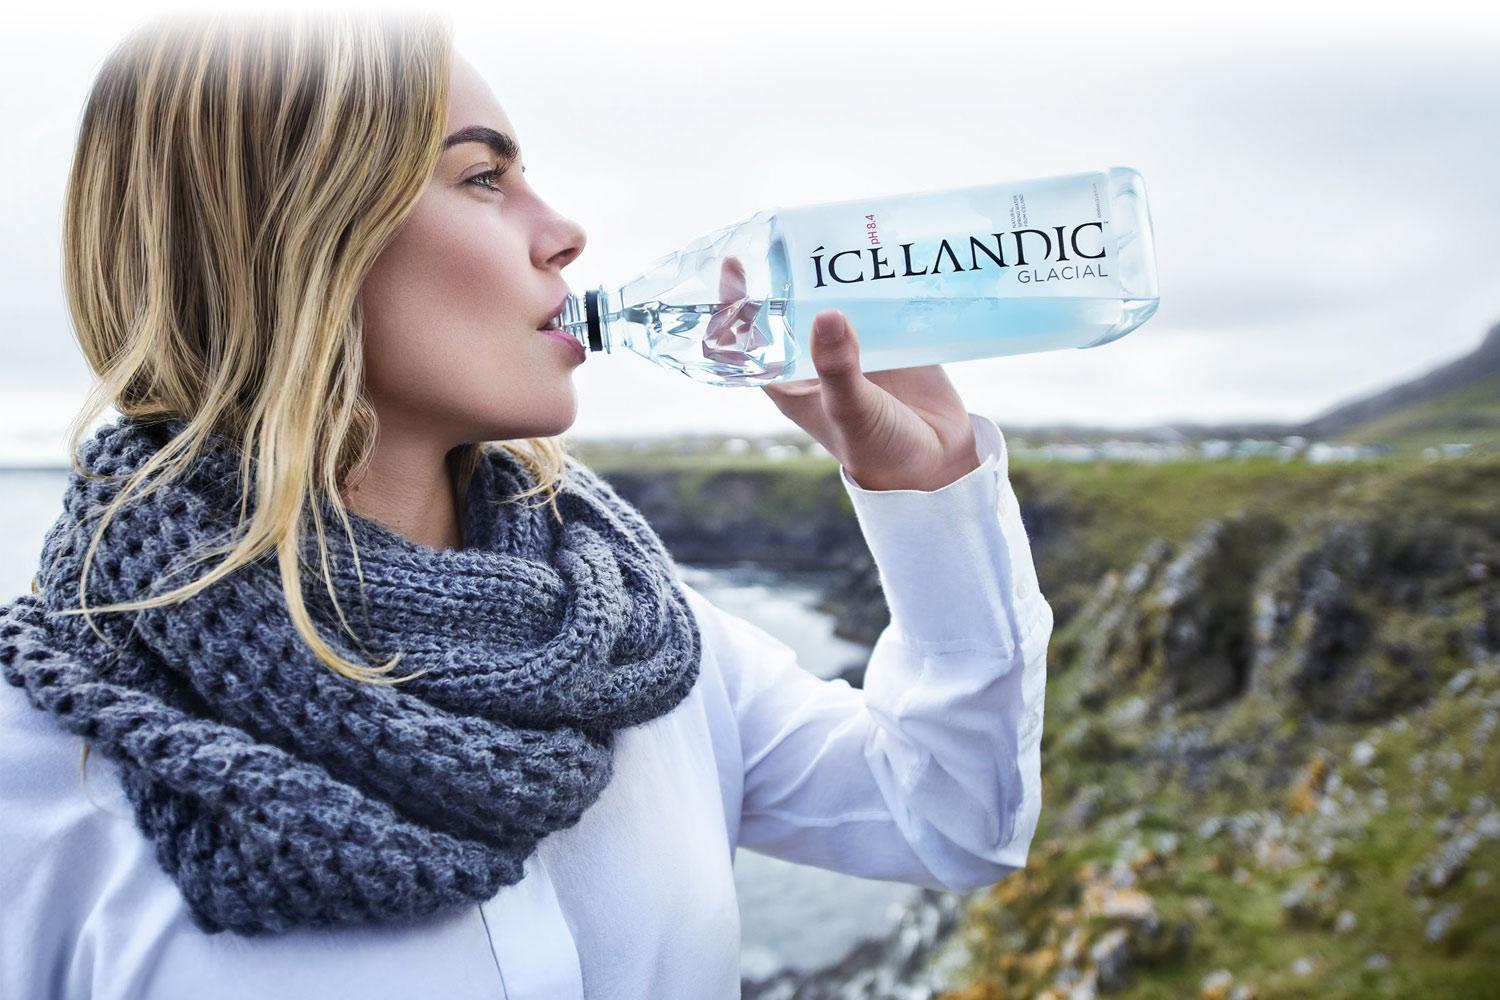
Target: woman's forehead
{"type": "Point", "coordinates": [471, 102]}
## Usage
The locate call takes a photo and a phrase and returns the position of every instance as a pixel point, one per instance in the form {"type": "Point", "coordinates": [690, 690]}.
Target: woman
{"type": "Point", "coordinates": [306, 263]}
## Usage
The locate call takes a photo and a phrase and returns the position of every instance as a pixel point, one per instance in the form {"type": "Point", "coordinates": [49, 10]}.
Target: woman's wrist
{"type": "Point", "coordinates": [964, 460]}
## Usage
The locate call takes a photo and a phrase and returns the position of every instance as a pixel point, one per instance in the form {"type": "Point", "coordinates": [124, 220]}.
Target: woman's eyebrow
{"type": "Point", "coordinates": [500, 144]}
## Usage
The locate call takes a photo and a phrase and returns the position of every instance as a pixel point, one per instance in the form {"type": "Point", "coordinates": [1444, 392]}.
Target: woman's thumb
{"type": "Point", "coordinates": [835, 352]}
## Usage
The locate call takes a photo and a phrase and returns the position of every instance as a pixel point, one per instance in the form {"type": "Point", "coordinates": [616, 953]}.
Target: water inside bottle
{"type": "Point", "coordinates": [749, 342]}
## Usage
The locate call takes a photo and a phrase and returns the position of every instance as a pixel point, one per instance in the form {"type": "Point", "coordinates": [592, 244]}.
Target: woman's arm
{"type": "Point", "coordinates": [931, 773]}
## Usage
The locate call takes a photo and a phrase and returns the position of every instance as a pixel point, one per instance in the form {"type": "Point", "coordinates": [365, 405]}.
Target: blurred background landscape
{"type": "Point", "coordinates": [1270, 765]}
{"type": "Point", "coordinates": [1268, 521]}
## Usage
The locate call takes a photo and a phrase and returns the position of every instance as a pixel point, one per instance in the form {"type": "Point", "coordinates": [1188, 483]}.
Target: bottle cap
{"type": "Point", "coordinates": [591, 308]}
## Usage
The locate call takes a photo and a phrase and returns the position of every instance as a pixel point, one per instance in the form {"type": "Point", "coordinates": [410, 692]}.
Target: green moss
{"type": "Point", "coordinates": [1113, 512]}
{"type": "Point", "coordinates": [782, 495]}
{"type": "Point", "coordinates": [1246, 930]}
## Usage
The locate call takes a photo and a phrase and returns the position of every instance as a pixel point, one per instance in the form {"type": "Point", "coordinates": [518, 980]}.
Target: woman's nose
{"type": "Point", "coordinates": [566, 243]}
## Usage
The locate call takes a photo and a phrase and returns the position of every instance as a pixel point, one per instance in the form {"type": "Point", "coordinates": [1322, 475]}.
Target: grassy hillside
{"type": "Point", "coordinates": [1105, 512]}
{"type": "Point", "coordinates": [1270, 761]}
{"type": "Point", "coordinates": [1351, 879]}
{"type": "Point", "coordinates": [1458, 402]}
{"type": "Point", "coordinates": [1470, 414]}
{"type": "Point", "coordinates": [1108, 511]}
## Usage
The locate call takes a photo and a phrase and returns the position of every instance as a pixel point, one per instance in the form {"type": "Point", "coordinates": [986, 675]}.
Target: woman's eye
{"type": "Point", "coordinates": [489, 177]}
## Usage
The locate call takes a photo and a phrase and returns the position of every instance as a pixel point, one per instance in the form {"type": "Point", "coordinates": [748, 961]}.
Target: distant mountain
{"type": "Point", "coordinates": [1459, 400]}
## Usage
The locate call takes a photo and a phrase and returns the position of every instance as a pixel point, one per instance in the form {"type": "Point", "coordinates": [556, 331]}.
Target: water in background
{"type": "Point", "coordinates": [33, 501]}
{"type": "Point", "coordinates": [790, 914]}
{"type": "Point", "coordinates": [794, 914]}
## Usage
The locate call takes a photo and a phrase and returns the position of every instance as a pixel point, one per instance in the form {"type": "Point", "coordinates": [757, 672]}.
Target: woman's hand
{"type": "Point", "coordinates": [899, 429]}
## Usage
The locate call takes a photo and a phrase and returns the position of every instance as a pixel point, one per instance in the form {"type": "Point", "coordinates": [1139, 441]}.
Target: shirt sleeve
{"type": "Point", "coordinates": [931, 773]}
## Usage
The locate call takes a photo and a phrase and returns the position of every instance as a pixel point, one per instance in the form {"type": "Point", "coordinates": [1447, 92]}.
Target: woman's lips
{"type": "Point", "coordinates": [571, 342]}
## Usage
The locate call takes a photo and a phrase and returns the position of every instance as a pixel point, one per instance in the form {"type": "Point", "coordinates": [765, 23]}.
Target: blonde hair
{"type": "Point", "coordinates": [234, 179]}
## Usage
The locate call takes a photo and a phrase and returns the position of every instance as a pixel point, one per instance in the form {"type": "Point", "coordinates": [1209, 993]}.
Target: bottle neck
{"type": "Point", "coordinates": [586, 318]}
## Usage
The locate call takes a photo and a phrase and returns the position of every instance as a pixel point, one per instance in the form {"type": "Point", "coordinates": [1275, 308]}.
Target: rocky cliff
{"type": "Point", "coordinates": [1270, 755]}
{"type": "Point", "coordinates": [1269, 763]}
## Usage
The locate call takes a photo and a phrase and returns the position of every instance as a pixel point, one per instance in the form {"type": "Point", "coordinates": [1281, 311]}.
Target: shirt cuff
{"type": "Point", "coordinates": [948, 558]}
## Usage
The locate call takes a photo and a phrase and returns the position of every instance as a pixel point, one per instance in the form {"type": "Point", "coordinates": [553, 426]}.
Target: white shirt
{"type": "Point", "coordinates": [930, 775]}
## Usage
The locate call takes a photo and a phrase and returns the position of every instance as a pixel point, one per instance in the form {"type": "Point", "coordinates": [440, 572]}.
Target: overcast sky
{"type": "Point", "coordinates": [1324, 181]}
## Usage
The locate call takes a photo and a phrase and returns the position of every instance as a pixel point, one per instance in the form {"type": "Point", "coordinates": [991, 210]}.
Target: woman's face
{"type": "Point", "coordinates": [453, 303]}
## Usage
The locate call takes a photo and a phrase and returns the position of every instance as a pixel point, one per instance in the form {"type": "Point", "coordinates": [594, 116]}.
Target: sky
{"type": "Point", "coordinates": [1323, 180]}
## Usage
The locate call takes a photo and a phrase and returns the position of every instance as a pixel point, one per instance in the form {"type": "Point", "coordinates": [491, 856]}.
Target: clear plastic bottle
{"type": "Point", "coordinates": [925, 278]}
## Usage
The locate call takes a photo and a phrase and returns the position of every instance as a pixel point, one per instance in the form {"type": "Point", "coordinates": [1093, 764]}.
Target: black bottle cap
{"type": "Point", "coordinates": [591, 308]}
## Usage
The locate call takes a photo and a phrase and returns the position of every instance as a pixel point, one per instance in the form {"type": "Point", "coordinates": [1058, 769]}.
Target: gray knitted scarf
{"type": "Point", "coordinates": [280, 794]}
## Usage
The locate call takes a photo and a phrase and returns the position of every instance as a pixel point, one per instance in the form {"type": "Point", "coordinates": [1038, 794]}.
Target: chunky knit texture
{"type": "Point", "coordinates": [279, 794]}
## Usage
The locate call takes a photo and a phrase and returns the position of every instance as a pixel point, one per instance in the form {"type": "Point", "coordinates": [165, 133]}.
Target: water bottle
{"type": "Point", "coordinates": [925, 278]}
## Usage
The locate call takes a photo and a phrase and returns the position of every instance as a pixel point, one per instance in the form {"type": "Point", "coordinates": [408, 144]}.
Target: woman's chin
{"type": "Point", "coordinates": [556, 414]}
